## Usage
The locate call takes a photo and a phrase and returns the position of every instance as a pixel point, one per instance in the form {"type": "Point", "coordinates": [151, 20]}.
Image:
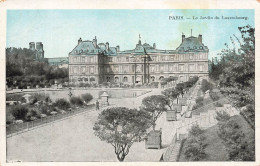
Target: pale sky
{"type": "Point", "coordinates": [59, 30]}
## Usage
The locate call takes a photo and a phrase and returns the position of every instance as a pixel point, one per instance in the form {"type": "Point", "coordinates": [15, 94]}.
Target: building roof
{"type": "Point", "coordinates": [192, 44]}
{"type": "Point", "coordinates": [85, 47]}
{"type": "Point", "coordinates": [59, 60]}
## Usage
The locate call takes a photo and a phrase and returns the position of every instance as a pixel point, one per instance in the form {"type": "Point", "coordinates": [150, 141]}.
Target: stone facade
{"type": "Point", "coordinates": [97, 63]}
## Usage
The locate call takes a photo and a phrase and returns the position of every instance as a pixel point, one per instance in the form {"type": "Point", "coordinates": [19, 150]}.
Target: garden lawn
{"type": "Point", "coordinates": [215, 149]}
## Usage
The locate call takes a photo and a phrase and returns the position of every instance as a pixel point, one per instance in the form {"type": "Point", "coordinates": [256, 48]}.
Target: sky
{"type": "Point", "coordinates": [59, 30]}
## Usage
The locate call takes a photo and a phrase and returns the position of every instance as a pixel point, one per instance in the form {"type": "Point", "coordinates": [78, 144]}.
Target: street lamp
{"type": "Point", "coordinates": [70, 94]}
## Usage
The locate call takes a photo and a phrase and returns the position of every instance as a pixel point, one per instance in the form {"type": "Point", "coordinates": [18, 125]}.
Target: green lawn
{"type": "Point", "coordinates": [215, 149]}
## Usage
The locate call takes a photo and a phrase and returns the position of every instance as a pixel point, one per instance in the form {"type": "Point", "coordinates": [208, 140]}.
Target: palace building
{"type": "Point", "coordinates": [90, 62]}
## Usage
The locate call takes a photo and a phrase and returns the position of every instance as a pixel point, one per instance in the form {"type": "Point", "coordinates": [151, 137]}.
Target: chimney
{"type": "Point", "coordinates": [95, 42]}
{"type": "Point", "coordinates": [118, 48]}
{"type": "Point", "coordinates": [183, 37]}
{"type": "Point", "coordinates": [200, 38]}
{"type": "Point", "coordinates": [154, 46]}
{"type": "Point", "coordinates": [107, 46]}
{"type": "Point", "coordinates": [32, 46]}
{"type": "Point", "coordinates": [80, 40]}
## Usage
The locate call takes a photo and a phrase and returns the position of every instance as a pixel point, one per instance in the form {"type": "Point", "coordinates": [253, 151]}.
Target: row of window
{"type": "Point", "coordinates": [139, 68]}
{"type": "Point", "coordinates": [175, 57]}
{"type": "Point", "coordinates": [82, 69]}
{"type": "Point", "coordinates": [156, 68]}
{"type": "Point", "coordinates": [83, 59]}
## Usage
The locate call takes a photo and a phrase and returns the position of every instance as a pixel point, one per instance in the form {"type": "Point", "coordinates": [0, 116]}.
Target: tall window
{"type": "Point", "coordinates": [181, 67]}
{"type": "Point", "coordinates": [152, 68]}
{"type": "Point", "coordinates": [200, 67]}
{"type": "Point", "coordinates": [125, 68]}
{"type": "Point", "coordinates": [152, 78]}
{"type": "Point", "coordinates": [161, 68]}
{"type": "Point", "coordinates": [160, 78]}
{"type": "Point", "coordinates": [191, 67]}
{"type": "Point", "coordinates": [116, 79]}
{"type": "Point", "coordinates": [75, 70]}
{"type": "Point", "coordinates": [125, 79]}
{"type": "Point", "coordinates": [83, 70]}
{"type": "Point", "coordinates": [91, 69]}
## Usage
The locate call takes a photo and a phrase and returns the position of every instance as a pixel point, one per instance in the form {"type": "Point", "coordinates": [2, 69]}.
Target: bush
{"type": "Point", "coordinates": [9, 118]}
{"type": "Point", "coordinates": [214, 96]}
{"type": "Point", "coordinates": [62, 104]}
{"type": "Point", "coordinates": [195, 131]}
{"type": "Point", "coordinates": [14, 97]}
{"type": "Point", "coordinates": [199, 103]}
{"type": "Point", "coordinates": [195, 146]}
{"type": "Point", "coordinates": [205, 85]}
{"type": "Point", "coordinates": [32, 113]}
{"type": "Point", "coordinates": [87, 97]}
{"type": "Point", "coordinates": [38, 97]}
{"type": "Point", "coordinates": [76, 101]}
{"type": "Point", "coordinates": [217, 104]}
{"type": "Point", "coordinates": [20, 112]}
{"type": "Point", "coordinates": [222, 116]}
{"type": "Point", "coordinates": [199, 100]}
{"type": "Point", "coordinates": [45, 109]}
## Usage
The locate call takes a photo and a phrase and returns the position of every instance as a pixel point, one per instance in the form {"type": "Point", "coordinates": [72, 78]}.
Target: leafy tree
{"type": "Point", "coordinates": [87, 97]}
{"type": "Point", "coordinates": [171, 94]}
{"type": "Point", "coordinates": [62, 104]}
{"type": "Point", "coordinates": [155, 105]}
{"type": "Point", "coordinates": [76, 101]}
{"type": "Point", "coordinates": [20, 112]}
{"type": "Point", "coordinates": [205, 85]}
{"type": "Point", "coordinates": [222, 116]}
{"type": "Point", "coordinates": [195, 146]}
{"type": "Point", "coordinates": [121, 127]}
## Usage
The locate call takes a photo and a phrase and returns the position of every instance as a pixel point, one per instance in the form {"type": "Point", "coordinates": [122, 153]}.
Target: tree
{"type": "Point", "coordinates": [121, 127]}
{"type": "Point", "coordinates": [87, 97]}
{"type": "Point", "coordinates": [155, 105]}
{"type": "Point", "coordinates": [235, 70]}
{"type": "Point", "coordinates": [171, 94]}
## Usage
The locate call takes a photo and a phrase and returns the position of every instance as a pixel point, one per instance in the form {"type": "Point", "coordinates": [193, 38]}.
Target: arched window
{"type": "Point", "coordinates": [85, 79]}
{"type": "Point", "coordinates": [116, 79]}
{"type": "Point", "coordinates": [125, 79]}
{"type": "Point", "coordinates": [108, 79]}
{"type": "Point", "coordinates": [152, 78]}
{"type": "Point", "coordinates": [92, 79]}
{"type": "Point", "coordinates": [162, 77]}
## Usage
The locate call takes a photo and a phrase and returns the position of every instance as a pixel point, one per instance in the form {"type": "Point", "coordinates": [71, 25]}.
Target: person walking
{"type": "Point", "coordinates": [97, 105]}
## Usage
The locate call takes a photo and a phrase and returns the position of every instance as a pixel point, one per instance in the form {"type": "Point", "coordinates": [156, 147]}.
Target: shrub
{"type": "Point", "coordinates": [87, 97]}
{"type": "Point", "coordinates": [20, 112]}
{"type": "Point", "coordinates": [32, 113]}
{"type": "Point", "coordinates": [45, 109]}
{"type": "Point", "coordinates": [14, 97]}
{"type": "Point", "coordinates": [217, 104]}
{"type": "Point", "coordinates": [199, 103]}
{"type": "Point", "coordinates": [38, 97]}
{"type": "Point", "coordinates": [9, 118]}
{"type": "Point", "coordinates": [222, 116]}
{"type": "Point", "coordinates": [195, 146]}
{"type": "Point", "coordinates": [76, 101]}
{"type": "Point", "coordinates": [199, 100]}
{"type": "Point", "coordinates": [214, 96]}
{"type": "Point", "coordinates": [62, 104]}
{"type": "Point", "coordinates": [195, 131]}
{"type": "Point", "coordinates": [205, 85]}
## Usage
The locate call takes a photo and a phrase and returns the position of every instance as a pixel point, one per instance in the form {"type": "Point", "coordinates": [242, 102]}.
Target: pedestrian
{"type": "Point", "coordinates": [97, 105]}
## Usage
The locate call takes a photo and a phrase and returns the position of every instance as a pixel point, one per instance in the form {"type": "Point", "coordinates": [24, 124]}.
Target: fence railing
{"type": "Point", "coordinates": [15, 129]}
